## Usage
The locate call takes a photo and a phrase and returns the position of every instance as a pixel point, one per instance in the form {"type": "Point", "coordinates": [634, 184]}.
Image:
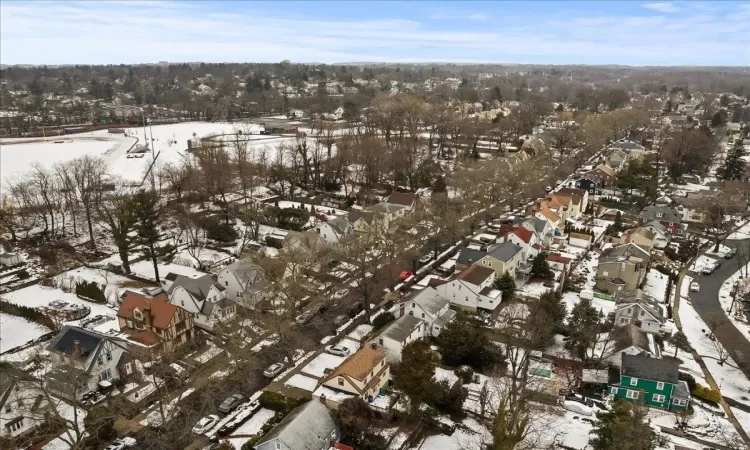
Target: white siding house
{"type": "Point", "coordinates": [396, 335]}
{"type": "Point", "coordinates": [204, 298]}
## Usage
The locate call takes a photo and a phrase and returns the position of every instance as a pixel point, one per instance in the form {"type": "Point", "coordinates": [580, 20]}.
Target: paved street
{"type": "Point", "coordinates": [706, 301]}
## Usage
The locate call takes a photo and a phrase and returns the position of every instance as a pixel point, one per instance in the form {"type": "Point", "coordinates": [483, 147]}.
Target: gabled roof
{"type": "Point", "coordinates": [358, 365]}
{"type": "Point", "coordinates": [429, 299]}
{"type": "Point", "coordinates": [305, 428]}
{"type": "Point", "coordinates": [159, 308]}
{"type": "Point", "coordinates": [406, 199]}
{"type": "Point", "coordinates": [549, 214]}
{"type": "Point", "coordinates": [629, 251]}
{"type": "Point", "coordinates": [340, 225]}
{"type": "Point", "coordinates": [469, 255]}
{"type": "Point", "coordinates": [638, 297]}
{"type": "Point", "coordinates": [523, 233]}
{"type": "Point", "coordinates": [641, 366]}
{"type": "Point", "coordinates": [401, 328]}
{"type": "Point", "coordinates": [630, 336]}
{"type": "Point", "coordinates": [606, 169]}
{"type": "Point", "coordinates": [554, 257]}
{"type": "Point", "coordinates": [661, 214]}
{"type": "Point", "coordinates": [366, 216]}
{"type": "Point", "coordinates": [197, 287]}
{"type": "Point", "coordinates": [591, 176]}
{"type": "Point", "coordinates": [537, 224]}
{"type": "Point", "coordinates": [246, 270]}
{"type": "Point", "coordinates": [505, 251]}
{"type": "Point", "coordinates": [475, 274]}
{"type": "Point", "coordinates": [386, 208]}
{"type": "Point", "coordinates": [575, 192]}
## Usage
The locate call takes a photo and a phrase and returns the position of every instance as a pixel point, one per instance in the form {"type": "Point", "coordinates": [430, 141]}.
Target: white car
{"type": "Point", "coordinates": [205, 424]}
{"type": "Point", "coordinates": [121, 444]}
{"type": "Point", "coordinates": [341, 293]}
{"type": "Point", "coordinates": [695, 287]}
{"type": "Point", "coordinates": [273, 370]}
{"type": "Point", "coordinates": [338, 350]}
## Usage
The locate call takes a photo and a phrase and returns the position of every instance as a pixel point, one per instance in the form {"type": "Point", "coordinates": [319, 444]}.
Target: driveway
{"type": "Point", "coordinates": [706, 302]}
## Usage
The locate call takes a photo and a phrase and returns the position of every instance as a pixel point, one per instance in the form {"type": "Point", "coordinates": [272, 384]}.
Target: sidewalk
{"type": "Point", "coordinates": [706, 373]}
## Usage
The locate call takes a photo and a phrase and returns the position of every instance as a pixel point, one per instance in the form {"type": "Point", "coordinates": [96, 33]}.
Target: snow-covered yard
{"type": "Point", "coordinates": [703, 262]}
{"type": "Point", "coordinates": [573, 298]}
{"type": "Point", "coordinates": [741, 234]}
{"type": "Point", "coordinates": [469, 434]}
{"type": "Point", "coordinates": [38, 296]}
{"type": "Point", "coordinates": [111, 282]}
{"type": "Point", "coordinates": [317, 367]}
{"type": "Point", "coordinates": [251, 427]}
{"type": "Point", "coordinates": [16, 331]}
{"type": "Point", "coordinates": [208, 257]}
{"type": "Point", "coordinates": [656, 285]}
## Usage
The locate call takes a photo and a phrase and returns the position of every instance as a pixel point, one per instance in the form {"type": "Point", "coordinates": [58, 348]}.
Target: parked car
{"type": "Point", "coordinates": [120, 444]}
{"type": "Point", "coordinates": [341, 293]}
{"type": "Point", "coordinates": [273, 370]}
{"type": "Point", "coordinates": [426, 258]}
{"type": "Point", "coordinates": [708, 269]}
{"type": "Point", "coordinates": [340, 320]}
{"type": "Point", "coordinates": [302, 319]}
{"type": "Point", "coordinates": [243, 412]}
{"type": "Point", "coordinates": [230, 403]}
{"type": "Point", "coordinates": [580, 399]}
{"type": "Point", "coordinates": [730, 254]}
{"type": "Point", "coordinates": [695, 287]}
{"type": "Point", "coordinates": [205, 424]}
{"type": "Point", "coordinates": [356, 309]}
{"type": "Point", "coordinates": [338, 350]}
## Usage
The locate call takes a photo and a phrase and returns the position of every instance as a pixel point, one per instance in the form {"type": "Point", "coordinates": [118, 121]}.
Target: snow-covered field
{"type": "Point", "coordinates": [17, 155]}
{"type": "Point", "coordinates": [16, 331]}
{"type": "Point", "coordinates": [37, 296]}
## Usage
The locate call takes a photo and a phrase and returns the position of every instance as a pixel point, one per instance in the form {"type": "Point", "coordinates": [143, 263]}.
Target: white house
{"type": "Point", "coordinates": [430, 307]}
{"type": "Point", "coordinates": [641, 310]}
{"type": "Point", "coordinates": [10, 259]}
{"type": "Point", "coordinates": [541, 227]}
{"type": "Point", "coordinates": [397, 334]}
{"type": "Point", "coordinates": [662, 237]}
{"type": "Point", "coordinates": [86, 360]}
{"type": "Point", "coordinates": [524, 238]}
{"type": "Point", "coordinates": [202, 297]}
{"type": "Point", "coordinates": [334, 230]}
{"type": "Point", "coordinates": [472, 289]}
{"type": "Point", "coordinates": [22, 402]}
{"type": "Point", "coordinates": [579, 240]}
{"type": "Point", "coordinates": [244, 282]}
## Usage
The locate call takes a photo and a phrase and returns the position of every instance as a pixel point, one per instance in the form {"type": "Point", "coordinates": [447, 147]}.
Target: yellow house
{"type": "Point", "coordinates": [364, 373]}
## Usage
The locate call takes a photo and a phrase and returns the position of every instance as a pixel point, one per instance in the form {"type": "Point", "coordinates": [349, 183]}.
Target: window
{"type": "Point", "coordinates": [658, 398]}
{"type": "Point", "coordinates": [413, 305]}
{"type": "Point", "coordinates": [105, 375]}
{"type": "Point", "coordinates": [489, 263]}
{"type": "Point", "coordinates": [643, 313]}
{"type": "Point", "coordinates": [423, 315]}
{"type": "Point", "coordinates": [632, 395]}
{"type": "Point", "coordinates": [239, 294]}
{"type": "Point", "coordinates": [7, 408]}
{"type": "Point", "coordinates": [660, 386]}
{"type": "Point", "coordinates": [634, 381]}
{"type": "Point", "coordinates": [380, 341]}
{"type": "Point", "coordinates": [679, 402]}
{"type": "Point", "coordinates": [614, 390]}
{"type": "Point", "coordinates": [226, 283]}
{"type": "Point", "coordinates": [99, 361]}
{"type": "Point", "coordinates": [605, 274]}
{"type": "Point", "coordinates": [341, 381]}
{"type": "Point", "coordinates": [623, 320]}
{"type": "Point", "coordinates": [109, 356]}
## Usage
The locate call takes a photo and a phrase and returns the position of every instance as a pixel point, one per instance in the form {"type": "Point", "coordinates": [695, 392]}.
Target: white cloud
{"type": "Point", "coordinates": [664, 7]}
{"type": "Point", "coordinates": [113, 33]}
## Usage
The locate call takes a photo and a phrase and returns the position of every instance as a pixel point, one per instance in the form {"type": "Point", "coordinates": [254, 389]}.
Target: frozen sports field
{"type": "Point", "coordinates": [170, 141]}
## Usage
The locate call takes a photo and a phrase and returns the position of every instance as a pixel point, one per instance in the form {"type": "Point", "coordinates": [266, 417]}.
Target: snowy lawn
{"type": "Point", "coordinates": [570, 299]}
{"type": "Point", "coordinates": [38, 296]}
{"type": "Point", "coordinates": [468, 434]}
{"type": "Point", "coordinates": [111, 282]}
{"type": "Point", "coordinates": [317, 366]}
{"type": "Point", "coordinates": [703, 262]}
{"type": "Point", "coordinates": [206, 256]}
{"type": "Point", "coordinates": [302, 382]}
{"type": "Point", "coordinates": [361, 332]}
{"type": "Point", "coordinates": [656, 285]}
{"type": "Point", "coordinates": [445, 375]}
{"type": "Point", "coordinates": [742, 233]}
{"type": "Point", "coordinates": [16, 331]}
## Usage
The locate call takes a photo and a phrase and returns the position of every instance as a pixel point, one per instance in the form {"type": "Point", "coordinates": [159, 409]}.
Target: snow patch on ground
{"type": "Point", "coordinates": [302, 382]}
{"type": "Point", "coordinates": [16, 331]}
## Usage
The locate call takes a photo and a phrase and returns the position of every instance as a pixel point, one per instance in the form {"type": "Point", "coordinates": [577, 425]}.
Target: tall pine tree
{"type": "Point", "coordinates": [734, 164]}
{"type": "Point", "coordinates": [149, 239]}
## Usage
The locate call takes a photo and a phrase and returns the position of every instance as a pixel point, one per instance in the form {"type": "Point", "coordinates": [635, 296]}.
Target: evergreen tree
{"type": "Point", "coordinates": [717, 120]}
{"type": "Point", "coordinates": [624, 426]}
{"type": "Point", "coordinates": [584, 327]}
{"type": "Point", "coordinates": [540, 266]}
{"type": "Point", "coordinates": [507, 285]}
{"type": "Point", "coordinates": [551, 304]}
{"type": "Point", "coordinates": [413, 376]}
{"type": "Point", "coordinates": [148, 236]}
{"type": "Point", "coordinates": [463, 342]}
{"type": "Point", "coordinates": [439, 187]}
{"type": "Point", "coordinates": [734, 164]}
{"type": "Point", "coordinates": [680, 342]}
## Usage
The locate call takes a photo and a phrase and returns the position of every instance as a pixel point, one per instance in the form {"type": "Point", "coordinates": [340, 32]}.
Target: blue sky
{"type": "Point", "coordinates": [544, 32]}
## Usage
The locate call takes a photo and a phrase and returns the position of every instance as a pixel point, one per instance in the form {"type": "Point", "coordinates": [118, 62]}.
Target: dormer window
{"type": "Point", "coordinates": [137, 314]}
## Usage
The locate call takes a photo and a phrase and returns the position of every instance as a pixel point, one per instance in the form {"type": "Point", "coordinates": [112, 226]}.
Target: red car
{"type": "Point", "coordinates": [404, 275]}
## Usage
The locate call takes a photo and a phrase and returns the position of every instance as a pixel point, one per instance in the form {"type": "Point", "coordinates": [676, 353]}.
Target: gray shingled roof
{"type": "Point", "coordinates": [681, 390]}
{"type": "Point", "coordinates": [429, 299]}
{"type": "Point", "coordinates": [305, 428]}
{"type": "Point", "coordinates": [400, 329]}
{"type": "Point", "coordinates": [469, 255]}
{"type": "Point", "coordinates": [625, 250]}
{"type": "Point", "coordinates": [537, 223]}
{"type": "Point", "coordinates": [246, 271]}
{"type": "Point", "coordinates": [630, 336]}
{"type": "Point", "coordinates": [340, 225]}
{"type": "Point", "coordinates": [197, 287]}
{"type": "Point", "coordinates": [505, 251]}
{"type": "Point", "coordinates": [667, 214]}
{"type": "Point", "coordinates": [64, 341]}
{"type": "Point", "coordinates": [646, 301]}
{"type": "Point", "coordinates": [641, 366]}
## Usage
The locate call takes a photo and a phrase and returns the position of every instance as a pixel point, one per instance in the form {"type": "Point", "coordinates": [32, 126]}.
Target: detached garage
{"type": "Point", "coordinates": [579, 240]}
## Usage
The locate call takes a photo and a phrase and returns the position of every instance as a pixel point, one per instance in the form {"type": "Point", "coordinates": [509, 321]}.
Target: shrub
{"type": "Point", "coordinates": [383, 320]}
{"type": "Point", "coordinates": [707, 394]}
{"type": "Point", "coordinates": [221, 231]}
{"type": "Point", "coordinates": [278, 402]}
{"type": "Point", "coordinates": [465, 373]}
{"type": "Point", "coordinates": [27, 313]}
{"type": "Point", "coordinates": [450, 398]}
{"type": "Point", "coordinates": [689, 379]}
{"type": "Point", "coordinates": [91, 291]}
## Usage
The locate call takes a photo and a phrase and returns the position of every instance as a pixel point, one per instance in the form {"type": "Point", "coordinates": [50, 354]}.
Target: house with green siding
{"type": "Point", "coordinates": [653, 381]}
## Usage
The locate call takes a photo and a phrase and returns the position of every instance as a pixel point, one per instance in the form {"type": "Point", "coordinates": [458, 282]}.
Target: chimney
{"type": "Point", "coordinates": [374, 345]}
{"type": "Point", "coordinates": [76, 348]}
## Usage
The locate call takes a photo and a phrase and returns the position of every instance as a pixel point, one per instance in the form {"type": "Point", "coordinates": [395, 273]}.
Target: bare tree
{"type": "Point", "coordinates": [88, 173]}
{"type": "Point", "coordinates": [115, 212]}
